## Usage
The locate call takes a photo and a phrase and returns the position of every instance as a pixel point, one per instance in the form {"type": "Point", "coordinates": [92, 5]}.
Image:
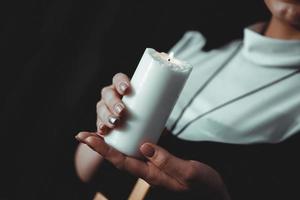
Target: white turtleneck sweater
{"type": "Point", "coordinates": [270, 115]}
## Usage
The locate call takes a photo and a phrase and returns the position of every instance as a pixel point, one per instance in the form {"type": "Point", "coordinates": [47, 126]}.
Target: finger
{"type": "Point", "coordinates": [119, 160]}
{"type": "Point", "coordinates": [81, 136]}
{"type": "Point", "coordinates": [102, 129]}
{"type": "Point", "coordinates": [112, 100]}
{"type": "Point", "coordinates": [147, 171]}
{"type": "Point", "coordinates": [162, 159]}
{"type": "Point", "coordinates": [121, 83]}
{"type": "Point", "coordinates": [105, 116]}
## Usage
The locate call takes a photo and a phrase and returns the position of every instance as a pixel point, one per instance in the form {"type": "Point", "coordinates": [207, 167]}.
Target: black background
{"type": "Point", "coordinates": [57, 55]}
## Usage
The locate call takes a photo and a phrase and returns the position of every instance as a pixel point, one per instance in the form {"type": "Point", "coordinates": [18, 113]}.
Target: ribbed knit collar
{"type": "Point", "coordinates": [270, 52]}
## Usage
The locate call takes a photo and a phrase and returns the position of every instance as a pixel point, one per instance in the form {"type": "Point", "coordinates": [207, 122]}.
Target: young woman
{"type": "Point", "coordinates": [239, 113]}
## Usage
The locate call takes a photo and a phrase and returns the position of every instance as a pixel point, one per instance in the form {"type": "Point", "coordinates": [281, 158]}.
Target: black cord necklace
{"type": "Point", "coordinates": [231, 56]}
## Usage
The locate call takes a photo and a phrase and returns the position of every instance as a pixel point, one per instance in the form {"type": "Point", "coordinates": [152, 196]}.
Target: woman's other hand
{"type": "Point", "coordinates": [160, 168]}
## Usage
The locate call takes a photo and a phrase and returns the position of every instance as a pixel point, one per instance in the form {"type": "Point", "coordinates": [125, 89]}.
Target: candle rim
{"type": "Point", "coordinates": [178, 65]}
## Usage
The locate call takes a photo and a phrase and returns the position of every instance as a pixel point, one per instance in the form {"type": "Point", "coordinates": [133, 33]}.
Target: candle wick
{"type": "Point", "coordinates": [169, 59]}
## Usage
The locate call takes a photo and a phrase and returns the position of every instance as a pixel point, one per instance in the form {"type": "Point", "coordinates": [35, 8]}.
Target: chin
{"type": "Point", "coordinates": [287, 11]}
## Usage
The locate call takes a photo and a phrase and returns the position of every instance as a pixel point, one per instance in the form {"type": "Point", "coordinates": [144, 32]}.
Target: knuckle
{"type": "Point", "coordinates": [104, 91]}
{"type": "Point", "coordinates": [112, 99]}
{"type": "Point", "coordinates": [102, 114]}
{"type": "Point", "coordinates": [150, 177]}
{"type": "Point", "coordinates": [98, 104]}
{"type": "Point", "coordinates": [118, 75]}
{"type": "Point", "coordinates": [106, 153]}
{"type": "Point", "coordinates": [120, 164]}
{"type": "Point", "coordinates": [191, 171]}
{"type": "Point", "coordinates": [99, 107]}
{"type": "Point", "coordinates": [161, 160]}
{"type": "Point", "coordinates": [98, 123]}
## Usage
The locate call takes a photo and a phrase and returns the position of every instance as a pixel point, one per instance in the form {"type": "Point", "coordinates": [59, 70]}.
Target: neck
{"type": "Point", "coordinates": [280, 30]}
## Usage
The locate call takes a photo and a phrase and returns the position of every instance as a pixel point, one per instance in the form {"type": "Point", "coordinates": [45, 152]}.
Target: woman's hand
{"type": "Point", "coordinates": [161, 168]}
{"type": "Point", "coordinates": [110, 108]}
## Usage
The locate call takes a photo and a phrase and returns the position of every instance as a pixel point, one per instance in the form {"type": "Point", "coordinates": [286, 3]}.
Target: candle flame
{"type": "Point", "coordinates": [171, 55]}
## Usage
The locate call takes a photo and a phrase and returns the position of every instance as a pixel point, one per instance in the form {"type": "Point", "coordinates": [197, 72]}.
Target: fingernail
{"type": "Point", "coordinates": [78, 138]}
{"type": "Point", "coordinates": [123, 86]}
{"type": "Point", "coordinates": [119, 108]}
{"type": "Point", "coordinates": [147, 150]}
{"type": "Point", "coordinates": [113, 120]}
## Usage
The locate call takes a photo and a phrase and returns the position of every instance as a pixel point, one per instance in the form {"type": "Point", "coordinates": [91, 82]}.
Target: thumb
{"type": "Point", "coordinates": [163, 160]}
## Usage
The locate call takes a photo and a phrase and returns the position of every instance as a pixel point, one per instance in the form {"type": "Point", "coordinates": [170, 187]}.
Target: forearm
{"type": "Point", "coordinates": [87, 162]}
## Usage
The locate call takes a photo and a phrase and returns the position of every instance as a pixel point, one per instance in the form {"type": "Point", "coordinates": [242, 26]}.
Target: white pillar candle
{"type": "Point", "coordinates": [156, 85]}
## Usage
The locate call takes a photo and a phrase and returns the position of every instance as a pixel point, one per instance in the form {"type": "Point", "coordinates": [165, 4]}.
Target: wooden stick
{"type": "Point", "coordinates": [140, 190]}
{"type": "Point", "coordinates": [99, 196]}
